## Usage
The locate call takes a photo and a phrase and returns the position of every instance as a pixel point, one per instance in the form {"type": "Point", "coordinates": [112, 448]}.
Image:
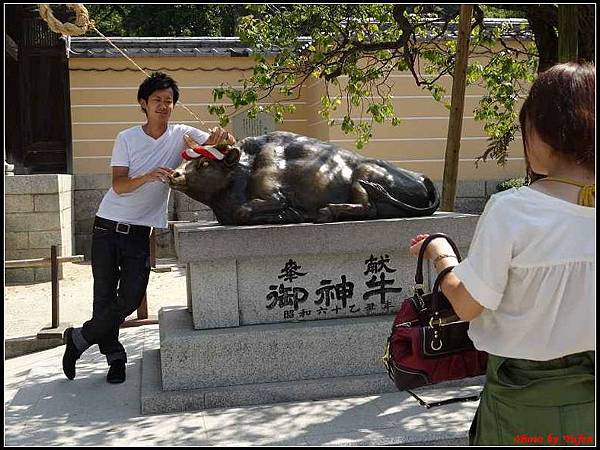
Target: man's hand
{"type": "Point", "coordinates": [122, 184]}
{"type": "Point", "coordinates": [189, 141]}
{"type": "Point", "coordinates": [161, 174]}
{"type": "Point", "coordinates": [219, 136]}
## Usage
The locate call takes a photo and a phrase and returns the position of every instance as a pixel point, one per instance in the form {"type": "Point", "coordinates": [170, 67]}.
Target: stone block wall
{"type": "Point", "coordinates": [89, 190]}
{"type": "Point", "coordinates": [38, 214]}
{"type": "Point", "coordinates": [471, 196]}
{"type": "Point", "coordinates": [189, 209]}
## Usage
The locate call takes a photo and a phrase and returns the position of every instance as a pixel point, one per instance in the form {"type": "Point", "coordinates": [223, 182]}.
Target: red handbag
{"type": "Point", "coordinates": [429, 343]}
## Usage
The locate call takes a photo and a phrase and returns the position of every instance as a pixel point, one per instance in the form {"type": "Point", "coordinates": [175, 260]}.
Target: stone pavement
{"type": "Point", "coordinates": [43, 408]}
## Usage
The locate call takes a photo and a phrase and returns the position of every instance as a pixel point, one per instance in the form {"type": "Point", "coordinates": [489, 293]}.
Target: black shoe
{"type": "Point", "coordinates": [116, 373]}
{"type": "Point", "coordinates": [71, 355]}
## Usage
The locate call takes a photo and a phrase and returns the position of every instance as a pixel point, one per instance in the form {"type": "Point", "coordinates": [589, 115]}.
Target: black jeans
{"type": "Point", "coordinates": [121, 269]}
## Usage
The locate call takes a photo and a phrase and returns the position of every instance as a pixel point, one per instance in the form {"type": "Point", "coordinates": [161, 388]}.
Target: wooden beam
{"type": "Point", "coordinates": [456, 109]}
{"type": "Point", "coordinates": [11, 47]}
{"type": "Point", "coordinates": [40, 262]}
{"type": "Point", "coordinates": [152, 320]}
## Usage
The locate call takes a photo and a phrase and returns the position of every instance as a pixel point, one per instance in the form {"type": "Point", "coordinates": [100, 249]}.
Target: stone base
{"type": "Point", "coordinates": [248, 275]}
{"type": "Point", "coordinates": [265, 325]}
{"type": "Point", "coordinates": [156, 401]}
{"type": "Point", "coordinates": [268, 353]}
{"type": "Point", "coordinates": [205, 369]}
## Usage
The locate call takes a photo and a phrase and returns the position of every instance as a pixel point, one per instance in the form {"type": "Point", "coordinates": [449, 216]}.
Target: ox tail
{"type": "Point", "coordinates": [377, 192]}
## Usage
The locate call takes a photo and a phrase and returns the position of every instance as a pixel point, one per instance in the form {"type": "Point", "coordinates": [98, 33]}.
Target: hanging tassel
{"type": "Point", "coordinates": [587, 195]}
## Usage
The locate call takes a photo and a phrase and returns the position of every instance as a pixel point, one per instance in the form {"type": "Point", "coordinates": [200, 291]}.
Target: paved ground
{"type": "Point", "coordinates": [43, 408]}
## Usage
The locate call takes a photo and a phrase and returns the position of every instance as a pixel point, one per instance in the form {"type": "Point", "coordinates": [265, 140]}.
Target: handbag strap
{"type": "Point", "coordinates": [428, 239]}
{"type": "Point", "coordinates": [436, 292]}
{"type": "Point", "coordinates": [472, 398]}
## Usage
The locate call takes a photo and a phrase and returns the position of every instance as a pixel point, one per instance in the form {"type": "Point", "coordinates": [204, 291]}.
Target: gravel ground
{"type": "Point", "coordinates": [28, 307]}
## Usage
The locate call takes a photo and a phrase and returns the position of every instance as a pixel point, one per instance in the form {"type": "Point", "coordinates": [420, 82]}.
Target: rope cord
{"type": "Point", "coordinates": [81, 25]}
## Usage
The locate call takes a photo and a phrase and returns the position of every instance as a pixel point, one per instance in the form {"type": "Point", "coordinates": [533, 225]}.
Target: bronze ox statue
{"type": "Point", "coordinates": [284, 177]}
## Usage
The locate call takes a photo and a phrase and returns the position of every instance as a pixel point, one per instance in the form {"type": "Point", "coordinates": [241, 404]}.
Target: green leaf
{"type": "Point", "coordinates": [333, 56]}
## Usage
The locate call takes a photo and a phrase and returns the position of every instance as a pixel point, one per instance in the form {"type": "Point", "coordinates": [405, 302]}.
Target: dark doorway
{"type": "Point", "coordinates": [37, 103]}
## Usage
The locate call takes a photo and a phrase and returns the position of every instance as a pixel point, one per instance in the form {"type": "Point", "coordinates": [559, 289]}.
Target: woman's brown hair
{"type": "Point", "coordinates": [560, 107]}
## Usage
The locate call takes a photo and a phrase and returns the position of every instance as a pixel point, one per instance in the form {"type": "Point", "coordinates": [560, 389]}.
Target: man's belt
{"type": "Point", "coordinates": [121, 227]}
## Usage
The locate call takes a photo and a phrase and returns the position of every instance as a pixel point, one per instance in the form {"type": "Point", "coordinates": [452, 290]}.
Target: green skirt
{"type": "Point", "coordinates": [537, 402]}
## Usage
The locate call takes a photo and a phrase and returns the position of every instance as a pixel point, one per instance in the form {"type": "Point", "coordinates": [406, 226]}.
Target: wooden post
{"type": "Point", "coordinates": [568, 30]}
{"type": "Point", "coordinates": [456, 109]}
{"type": "Point", "coordinates": [142, 311]}
{"type": "Point", "coordinates": [55, 291]}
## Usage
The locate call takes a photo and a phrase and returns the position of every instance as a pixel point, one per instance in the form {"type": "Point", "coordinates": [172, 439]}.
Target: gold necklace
{"type": "Point", "coordinates": [586, 193]}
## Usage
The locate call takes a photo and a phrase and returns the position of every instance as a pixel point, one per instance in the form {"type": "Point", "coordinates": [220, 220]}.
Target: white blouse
{"type": "Point", "coordinates": [531, 265]}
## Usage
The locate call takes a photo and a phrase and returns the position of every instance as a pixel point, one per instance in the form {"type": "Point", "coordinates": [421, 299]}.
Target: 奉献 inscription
{"type": "Point", "coordinates": [297, 298]}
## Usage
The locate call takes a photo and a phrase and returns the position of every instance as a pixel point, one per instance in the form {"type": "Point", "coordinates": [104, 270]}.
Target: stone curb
{"type": "Point", "coordinates": [29, 344]}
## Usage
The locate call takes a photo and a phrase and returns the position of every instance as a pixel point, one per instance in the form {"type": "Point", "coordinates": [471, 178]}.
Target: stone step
{"type": "Point", "coordinates": [155, 400]}
{"type": "Point", "coordinates": [274, 362]}
{"type": "Point", "coordinates": [254, 354]}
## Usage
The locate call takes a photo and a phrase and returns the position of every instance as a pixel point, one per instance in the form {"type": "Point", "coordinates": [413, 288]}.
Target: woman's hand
{"type": "Point", "coordinates": [466, 307]}
{"type": "Point", "coordinates": [415, 245]}
{"type": "Point", "coordinates": [437, 247]}
{"type": "Point", "coordinates": [218, 135]}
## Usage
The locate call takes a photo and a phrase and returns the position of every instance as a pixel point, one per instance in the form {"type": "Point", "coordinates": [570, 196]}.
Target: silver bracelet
{"type": "Point", "coordinates": [440, 257]}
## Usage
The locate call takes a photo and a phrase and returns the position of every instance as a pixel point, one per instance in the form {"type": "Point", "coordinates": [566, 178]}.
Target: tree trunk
{"type": "Point", "coordinates": [456, 109]}
{"type": "Point", "coordinates": [587, 36]}
{"type": "Point", "coordinates": [568, 30]}
{"type": "Point", "coordinates": [543, 19]}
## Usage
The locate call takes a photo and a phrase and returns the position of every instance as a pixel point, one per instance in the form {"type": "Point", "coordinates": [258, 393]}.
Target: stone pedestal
{"type": "Point", "coordinates": [276, 310]}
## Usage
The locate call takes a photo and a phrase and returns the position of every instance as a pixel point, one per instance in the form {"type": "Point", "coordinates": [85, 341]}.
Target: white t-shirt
{"type": "Point", "coordinates": [148, 204]}
{"type": "Point", "coordinates": [531, 265]}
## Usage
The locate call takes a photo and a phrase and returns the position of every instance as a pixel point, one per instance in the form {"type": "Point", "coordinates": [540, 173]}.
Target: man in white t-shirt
{"type": "Point", "coordinates": [142, 160]}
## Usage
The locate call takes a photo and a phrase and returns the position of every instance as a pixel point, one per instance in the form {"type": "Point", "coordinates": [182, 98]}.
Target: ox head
{"type": "Point", "coordinates": [202, 177]}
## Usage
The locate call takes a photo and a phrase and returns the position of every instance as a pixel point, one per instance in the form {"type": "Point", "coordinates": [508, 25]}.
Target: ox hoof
{"type": "Point", "coordinates": [243, 214]}
{"type": "Point", "coordinates": [325, 215]}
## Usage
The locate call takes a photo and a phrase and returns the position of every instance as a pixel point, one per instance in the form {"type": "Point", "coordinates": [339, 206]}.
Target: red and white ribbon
{"type": "Point", "coordinates": [197, 152]}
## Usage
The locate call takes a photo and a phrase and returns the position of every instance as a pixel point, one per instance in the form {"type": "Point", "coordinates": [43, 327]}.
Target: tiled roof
{"type": "Point", "coordinates": [97, 47]}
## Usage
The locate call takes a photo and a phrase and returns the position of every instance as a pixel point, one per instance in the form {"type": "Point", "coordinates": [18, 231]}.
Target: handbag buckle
{"type": "Point", "coordinates": [434, 348]}
{"type": "Point", "coordinates": [439, 321]}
